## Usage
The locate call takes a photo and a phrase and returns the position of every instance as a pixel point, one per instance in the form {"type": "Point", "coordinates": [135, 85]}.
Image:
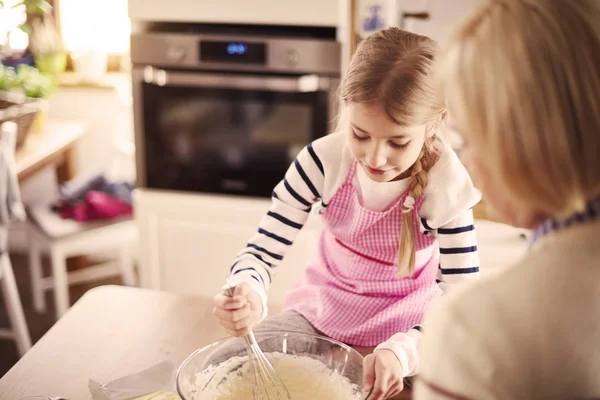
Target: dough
{"type": "Point", "coordinates": [305, 378]}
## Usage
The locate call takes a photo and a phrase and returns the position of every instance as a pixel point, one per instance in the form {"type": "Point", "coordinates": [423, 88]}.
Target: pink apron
{"type": "Point", "coordinates": [351, 292]}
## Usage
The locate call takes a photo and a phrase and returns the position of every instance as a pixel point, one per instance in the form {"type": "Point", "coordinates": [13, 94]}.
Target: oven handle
{"type": "Point", "coordinates": [302, 84]}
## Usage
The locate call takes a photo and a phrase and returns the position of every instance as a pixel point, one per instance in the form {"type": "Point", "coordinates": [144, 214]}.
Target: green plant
{"type": "Point", "coordinates": [32, 8]}
{"type": "Point", "coordinates": [35, 7]}
{"type": "Point", "coordinates": [27, 80]}
{"type": "Point", "coordinates": [8, 79]}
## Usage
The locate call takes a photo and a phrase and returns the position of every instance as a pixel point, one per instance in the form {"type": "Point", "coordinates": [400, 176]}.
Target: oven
{"type": "Point", "coordinates": [225, 110]}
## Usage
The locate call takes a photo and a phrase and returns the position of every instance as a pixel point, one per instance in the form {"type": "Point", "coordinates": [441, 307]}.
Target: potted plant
{"type": "Point", "coordinates": [44, 41]}
{"type": "Point", "coordinates": [23, 94]}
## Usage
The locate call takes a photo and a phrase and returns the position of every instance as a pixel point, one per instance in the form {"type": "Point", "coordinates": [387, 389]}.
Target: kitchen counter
{"type": "Point", "coordinates": [111, 332]}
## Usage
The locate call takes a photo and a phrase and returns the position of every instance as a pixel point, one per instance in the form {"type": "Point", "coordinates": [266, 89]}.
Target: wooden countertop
{"type": "Point", "coordinates": [51, 146]}
{"type": "Point", "coordinates": [111, 332]}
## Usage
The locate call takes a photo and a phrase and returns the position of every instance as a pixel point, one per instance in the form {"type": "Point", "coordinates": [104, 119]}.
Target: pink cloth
{"type": "Point", "coordinates": [97, 206]}
{"type": "Point", "coordinates": [351, 292]}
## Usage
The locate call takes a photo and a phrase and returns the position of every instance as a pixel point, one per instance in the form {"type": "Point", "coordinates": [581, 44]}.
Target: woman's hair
{"type": "Point", "coordinates": [525, 77]}
{"type": "Point", "coordinates": [393, 69]}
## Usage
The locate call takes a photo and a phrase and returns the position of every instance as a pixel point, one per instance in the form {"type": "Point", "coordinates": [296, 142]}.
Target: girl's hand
{"type": "Point", "coordinates": [238, 314]}
{"type": "Point", "coordinates": [382, 372]}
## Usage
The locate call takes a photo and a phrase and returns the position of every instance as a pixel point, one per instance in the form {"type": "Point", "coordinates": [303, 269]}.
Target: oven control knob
{"type": "Point", "coordinates": [293, 57]}
{"type": "Point", "coordinates": [175, 54]}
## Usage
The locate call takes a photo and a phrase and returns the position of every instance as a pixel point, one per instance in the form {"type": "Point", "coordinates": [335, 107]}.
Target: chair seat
{"type": "Point", "coordinates": [54, 226]}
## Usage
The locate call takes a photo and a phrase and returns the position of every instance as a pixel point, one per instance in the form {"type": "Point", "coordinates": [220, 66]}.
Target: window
{"type": "Point", "coordinates": [10, 19]}
{"type": "Point", "coordinates": [101, 25]}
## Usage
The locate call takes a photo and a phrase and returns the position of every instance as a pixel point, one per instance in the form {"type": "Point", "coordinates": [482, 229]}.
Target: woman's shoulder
{"type": "Point", "coordinates": [481, 325]}
{"type": "Point", "coordinates": [564, 264]}
{"type": "Point", "coordinates": [449, 191]}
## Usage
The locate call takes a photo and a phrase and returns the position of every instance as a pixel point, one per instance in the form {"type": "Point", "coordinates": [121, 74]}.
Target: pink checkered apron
{"type": "Point", "coordinates": [351, 292]}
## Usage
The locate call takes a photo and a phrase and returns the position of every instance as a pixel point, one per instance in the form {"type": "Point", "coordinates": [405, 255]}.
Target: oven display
{"type": "Point", "coordinates": [232, 52]}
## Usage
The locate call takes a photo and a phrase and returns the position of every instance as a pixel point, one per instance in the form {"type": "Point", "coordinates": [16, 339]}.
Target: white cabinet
{"type": "Point", "coordinates": [188, 241]}
{"type": "Point", "coordinates": [272, 12]}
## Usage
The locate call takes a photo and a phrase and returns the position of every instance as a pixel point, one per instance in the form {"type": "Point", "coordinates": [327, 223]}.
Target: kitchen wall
{"type": "Point", "coordinates": [444, 15]}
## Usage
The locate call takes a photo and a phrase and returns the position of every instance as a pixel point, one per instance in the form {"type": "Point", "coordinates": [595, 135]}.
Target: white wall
{"type": "Point", "coordinates": [444, 15]}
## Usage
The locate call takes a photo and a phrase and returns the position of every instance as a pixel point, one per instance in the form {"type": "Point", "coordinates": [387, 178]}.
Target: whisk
{"type": "Point", "coordinates": [267, 384]}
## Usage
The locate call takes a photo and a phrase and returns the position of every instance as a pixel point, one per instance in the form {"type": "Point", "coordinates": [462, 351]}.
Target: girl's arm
{"type": "Point", "coordinates": [459, 259]}
{"type": "Point", "coordinates": [292, 200]}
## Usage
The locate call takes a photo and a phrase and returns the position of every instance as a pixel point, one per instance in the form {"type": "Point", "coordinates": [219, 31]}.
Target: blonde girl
{"type": "Point", "coordinates": [523, 85]}
{"type": "Point", "coordinates": [392, 196]}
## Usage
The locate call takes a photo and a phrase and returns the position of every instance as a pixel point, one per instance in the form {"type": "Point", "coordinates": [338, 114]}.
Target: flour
{"type": "Point", "coordinates": [305, 378]}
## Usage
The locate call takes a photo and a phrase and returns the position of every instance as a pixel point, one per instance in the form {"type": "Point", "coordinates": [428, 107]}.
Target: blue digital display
{"type": "Point", "coordinates": [237, 49]}
{"type": "Point", "coordinates": [233, 52]}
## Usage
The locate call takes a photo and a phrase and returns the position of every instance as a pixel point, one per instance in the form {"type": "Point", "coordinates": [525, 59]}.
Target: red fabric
{"type": "Point", "coordinates": [97, 206]}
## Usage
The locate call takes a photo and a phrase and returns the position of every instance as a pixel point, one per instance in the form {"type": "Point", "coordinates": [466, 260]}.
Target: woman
{"type": "Point", "coordinates": [523, 78]}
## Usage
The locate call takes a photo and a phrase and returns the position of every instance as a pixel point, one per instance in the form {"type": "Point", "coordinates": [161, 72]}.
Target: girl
{"type": "Point", "coordinates": [396, 206]}
{"type": "Point", "coordinates": [524, 83]}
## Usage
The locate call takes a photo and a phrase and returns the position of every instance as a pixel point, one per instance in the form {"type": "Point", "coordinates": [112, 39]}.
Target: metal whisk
{"type": "Point", "coordinates": [267, 384]}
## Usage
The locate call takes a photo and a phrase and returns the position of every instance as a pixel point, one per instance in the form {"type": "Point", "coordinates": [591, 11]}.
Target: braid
{"type": "Point", "coordinates": [416, 187]}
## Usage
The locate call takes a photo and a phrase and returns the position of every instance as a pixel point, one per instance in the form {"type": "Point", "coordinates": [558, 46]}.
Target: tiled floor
{"type": "Point", "coordinates": [38, 324]}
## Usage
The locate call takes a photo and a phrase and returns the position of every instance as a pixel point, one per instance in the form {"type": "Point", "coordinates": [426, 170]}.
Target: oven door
{"type": "Point", "coordinates": [225, 133]}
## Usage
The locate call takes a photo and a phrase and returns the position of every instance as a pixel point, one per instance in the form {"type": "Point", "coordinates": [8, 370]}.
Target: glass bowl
{"type": "Point", "coordinates": [230, 354]}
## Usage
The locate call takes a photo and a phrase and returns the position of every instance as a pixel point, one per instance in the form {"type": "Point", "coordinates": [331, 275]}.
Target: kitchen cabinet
{"type": "Point", "coordinates": [269, 12]}
{"type": "Point", "coordinates": [188, 241]}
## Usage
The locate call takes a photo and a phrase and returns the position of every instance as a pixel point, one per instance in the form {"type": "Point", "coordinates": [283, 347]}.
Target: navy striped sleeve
{"type": "Point", "coordinates": [261, 258]}
{"type": "Point", "coordinates": [254, 275]}
{"type": "Point", "coordinates": [278, 257]}
{"type": "Point", "coordinates": [458, 250]}
{"type": "Point", "coordinates": [295, 194]}
{"type": "Point", "coordinates": [425, 224]}
{"type": "Point", "coordinates": [273, 236]}
{"type": "Point", "coordinates": [284, 220]}
{"type": "Point", "coordinates": [459, 259]}
{"type": "Point", "coordinates": [306, 179]}
{"type": "Point", "coordinates": [454, 231]}
{"type": "Point", "coordinates": [457, 271]}
{"type": "Point", "coordinates": [315, 158]}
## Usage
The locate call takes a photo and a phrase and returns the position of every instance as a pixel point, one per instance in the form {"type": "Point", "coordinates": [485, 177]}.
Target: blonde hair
{"type": "Point", "coordinates": [526, 76]}
{"type": "Point", "coordinates": [393, 69]}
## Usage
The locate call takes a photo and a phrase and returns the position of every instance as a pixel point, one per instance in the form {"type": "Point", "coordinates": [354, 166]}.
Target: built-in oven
{"type": "Point", "coordinates": [227, 109]}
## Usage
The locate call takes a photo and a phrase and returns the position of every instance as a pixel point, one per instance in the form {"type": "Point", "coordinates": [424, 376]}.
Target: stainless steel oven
{"type": "Point", "coordinates": [227, 110]}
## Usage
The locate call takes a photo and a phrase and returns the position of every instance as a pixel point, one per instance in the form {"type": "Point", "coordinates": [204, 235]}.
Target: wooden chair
{"type": "Point", "coordinates": [18, 331]}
